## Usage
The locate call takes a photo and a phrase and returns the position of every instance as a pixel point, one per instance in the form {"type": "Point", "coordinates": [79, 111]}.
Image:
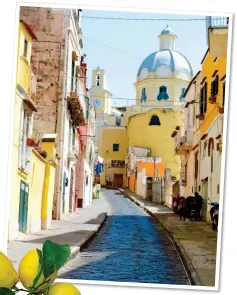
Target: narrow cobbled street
{"type": "Point", "coordinates": [130, 247]}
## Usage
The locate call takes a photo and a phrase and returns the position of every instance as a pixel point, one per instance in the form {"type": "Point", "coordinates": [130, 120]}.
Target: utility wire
{"type": "Point", "coordinates": [161, 102]}
{"type": "Point", "coordinates": [116, 49]}
{"type": "Point", "coordinates": [149, 19]}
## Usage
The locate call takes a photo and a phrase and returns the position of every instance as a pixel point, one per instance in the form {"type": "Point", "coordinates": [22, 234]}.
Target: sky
{"type": "Point", "coordinates": [120, 46]}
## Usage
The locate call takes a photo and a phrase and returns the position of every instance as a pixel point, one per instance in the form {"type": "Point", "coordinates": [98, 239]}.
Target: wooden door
{"type": "Point", "coordinates": [118, 180]}
{"type": "Point", "coordinates": [149, 189]}
{"type": "Point", "coordinates": [23, 207]}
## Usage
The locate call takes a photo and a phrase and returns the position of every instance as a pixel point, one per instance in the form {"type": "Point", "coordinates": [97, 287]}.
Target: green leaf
{"type": "Point", "coordinates": [5, 291]}
{"type": "Point", "coordinates": [54, 257]}
{"type": "Point", "coordinates": [40, 269]}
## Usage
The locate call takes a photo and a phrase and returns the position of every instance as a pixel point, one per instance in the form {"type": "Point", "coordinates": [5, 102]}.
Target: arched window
{"type": "Point", "coordinates": [98, 79]}
{"type": "Point", "coordinates": [163, 93]}
{"type": "Point", "coordinates": [182, 94]}
{"type": "Point", "coordinates": [155, 121]}
{"type": "Point", "coordinates": [118, 120]}
{"type": "Point", "coordinates": [143, 97]}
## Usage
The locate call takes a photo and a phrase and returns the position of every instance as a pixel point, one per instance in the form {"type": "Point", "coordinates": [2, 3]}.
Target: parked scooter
{"type": "Point", "coordinates": [176, 204]}
{"type": "Point", "coordinates": [214, 215]}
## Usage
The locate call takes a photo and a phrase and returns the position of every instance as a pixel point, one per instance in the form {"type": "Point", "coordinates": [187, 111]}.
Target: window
{"type": "Point", "coordinates": [98, 79]}
{"type": "Point", "coordinates": [73, 76]}
{"type": "Point", "coordinates": [194, 114]}
{"type": "Point", "coordinates": [203, 99]}
{"type": "Point", "coordinates": [196, 166]}
{"type": "Point", "coordinates": [69, 134]}
{"type": "Point", "coordinates": [205, 147]}
{"type": "Point", "coordinates": [214, 86]}
{"type": "Point", "coordinates": [118, 120]}
{"type": "Point", "coordinates": [155, 121]}
{"type": "Point", "coordinates": [182, 94]}
{"type": "Point", "coordinates": [212, 162]}
{"type": "Point", "coordinates": [25, 49]}
{"type": "Point", "coordinates": [115, 147]}
{"type": "Point", "coordinates": [73, 136]}
{"type": "Point", "coordinates": [223, 95]}
{"type": "Point", "coordinates": [163, 93]}
{"type": "Point", "coordinates": [143, 96]}
{"type": "Point", "coordinates": [87, 107]}
{"type": "Point", "coordinates": [24, 149]}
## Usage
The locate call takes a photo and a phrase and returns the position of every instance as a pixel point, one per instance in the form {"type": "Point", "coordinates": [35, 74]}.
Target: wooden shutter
{"type": "Point", "coordinates": [217, 84]}
{"type": "Point", "coordinates": [201, 102]}
{"type": "Point", "coordinates": [223, 95]}
{"type": "Point", "coordinates": [205, 98]}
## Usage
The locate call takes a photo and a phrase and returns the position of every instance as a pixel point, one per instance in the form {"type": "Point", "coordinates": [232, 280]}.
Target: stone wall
{"type": "Point", "coordinates": [47, 62]}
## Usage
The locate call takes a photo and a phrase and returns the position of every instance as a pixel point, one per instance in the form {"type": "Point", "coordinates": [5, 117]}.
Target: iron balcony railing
{"type": "Point", "coordinates": [216, 22]}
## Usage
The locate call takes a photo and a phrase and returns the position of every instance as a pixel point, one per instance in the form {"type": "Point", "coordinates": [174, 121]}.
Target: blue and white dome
{"type": "Point", "coordinates": [166, 62]}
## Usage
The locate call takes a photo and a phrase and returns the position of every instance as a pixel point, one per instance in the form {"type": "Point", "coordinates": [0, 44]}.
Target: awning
{"type": "Point", "coordinates": [31, 104]}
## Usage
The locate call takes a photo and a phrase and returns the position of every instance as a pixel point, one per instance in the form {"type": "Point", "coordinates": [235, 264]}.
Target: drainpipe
{"type": "Point", "coordinates": [61, 119]}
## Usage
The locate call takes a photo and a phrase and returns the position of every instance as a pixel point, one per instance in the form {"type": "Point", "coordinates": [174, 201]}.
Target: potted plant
{"type": "Point", "coordinates": [221, 109]}
{"type": "Point", "coordinates": [31, 142]}
{"type": "Point", "coordinates": [201, 117]}
{"type": "Point", "coordinates": [58, 156]}
{"type": "Point", "coordinates": [212, 99]}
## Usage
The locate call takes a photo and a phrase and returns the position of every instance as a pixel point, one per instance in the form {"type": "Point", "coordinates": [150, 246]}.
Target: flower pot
{"type": "Point", "coordinates": [212, 99]}
{"type": "Point", "coordinates": [31, 142]}
{"type": "Point", "coordinates": [221, 110]}
{"type": "Point", "coordinates": [201, 117]}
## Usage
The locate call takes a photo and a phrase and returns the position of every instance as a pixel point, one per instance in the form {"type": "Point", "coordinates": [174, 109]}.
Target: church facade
{"type": "Point", "coordinates": [142, 131]}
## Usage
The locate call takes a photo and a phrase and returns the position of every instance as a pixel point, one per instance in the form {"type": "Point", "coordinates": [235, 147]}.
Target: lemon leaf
{"type": "Point", "coordinates": [54, 257]}
{"type": "Point", "coordinates": [5, 291]}
{"type": "Point", "coordinates": [40, 269]}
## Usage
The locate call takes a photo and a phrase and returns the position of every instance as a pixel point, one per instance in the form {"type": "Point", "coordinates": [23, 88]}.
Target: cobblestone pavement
{"type": "Point", "coordinates": [74, 229]}
{"type": "Point", "coordinates": [196, 240]}
{"type": "Point", "coordinates": [130, 247]}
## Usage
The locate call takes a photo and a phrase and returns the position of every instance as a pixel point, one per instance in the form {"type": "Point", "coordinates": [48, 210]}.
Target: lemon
{"type": "Point", "coordinates": [63, 289]}
{"type": "Point", "coordinates": [28, 270]}
{"type": "Point", "coordinates": [8, 276]}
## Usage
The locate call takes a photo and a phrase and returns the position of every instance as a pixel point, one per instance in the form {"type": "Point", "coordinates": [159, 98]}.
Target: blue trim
{"type": "Point", "coordinates": [143, 96]}
{"type": "Point", "coordinates": [162, 93]}
{"type": "Point", "coordinates": [182, 94]}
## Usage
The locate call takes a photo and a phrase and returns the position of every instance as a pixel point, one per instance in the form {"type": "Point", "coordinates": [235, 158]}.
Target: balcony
{"type": "Point", "coordinates": [217, 35]}
{"type": "Point", "coordinates": [73, 154]}
{"type": "Point", "coordinates": [76, 106]}
{"type": "Point", "coordinates": [182, 144]}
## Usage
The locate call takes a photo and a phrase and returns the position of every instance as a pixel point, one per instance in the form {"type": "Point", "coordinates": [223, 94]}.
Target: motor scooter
{"type": "Point", "coordinates": [214, 212]}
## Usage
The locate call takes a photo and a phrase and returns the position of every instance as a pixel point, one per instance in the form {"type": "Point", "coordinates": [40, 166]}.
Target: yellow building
{"type": "Point", "coordinates": [30, 172]}
{"type": "Point", "coordinates": [160, 84]}
{"type": "Point", "coordinates": [212, 101]}
{"type": "Point", "coordinates": [111, 133]}
{"type": "Point", "coordinates": [144, 131]}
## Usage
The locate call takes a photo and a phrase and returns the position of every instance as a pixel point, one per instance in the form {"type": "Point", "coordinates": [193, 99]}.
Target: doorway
{"type": "Point", "coordinates": [118, 180]}
{"type": "Point", "coordinates": [205, 198]}
{"type": "Point", "coordinates": [23, 206]}
{"type": "Point", "coordinates": [71, 191]}
{"type": "Point", "coordinates": [63, 196]}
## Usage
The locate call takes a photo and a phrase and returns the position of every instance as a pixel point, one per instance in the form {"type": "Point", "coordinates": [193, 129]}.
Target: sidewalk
{"type": "Point", "coordinates": [195, 241]}
{"type": "Point", "coordinates": [74, 229]}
